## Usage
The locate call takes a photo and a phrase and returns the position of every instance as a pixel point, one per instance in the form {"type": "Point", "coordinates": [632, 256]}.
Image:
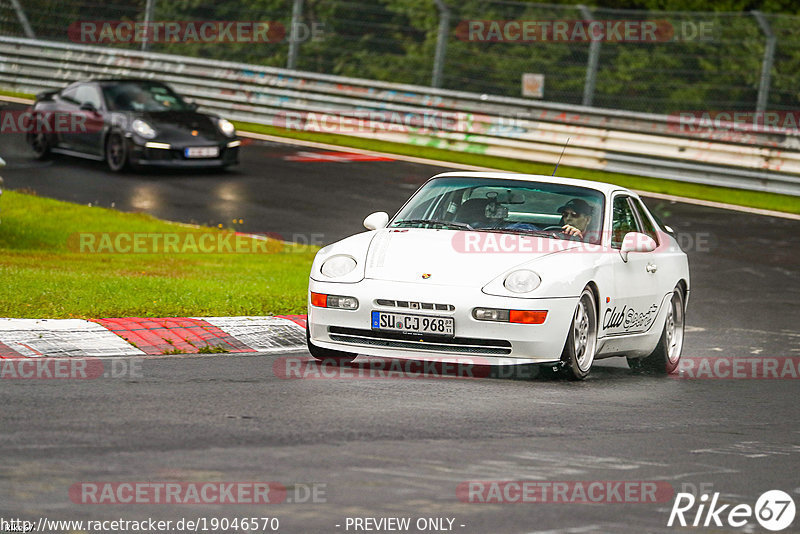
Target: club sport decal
{"type": "Point", "coordinates": [628, 319]}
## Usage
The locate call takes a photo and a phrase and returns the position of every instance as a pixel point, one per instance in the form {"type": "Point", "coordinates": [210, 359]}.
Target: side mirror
{"type": "Point", "coordinates": [88, 106]}
{"type": "Point", "coordinates": [636, 242]}
{"type": "Point", "coordinates": [376, 221]}
{"type": "Point", "coordinates": [192, 106]}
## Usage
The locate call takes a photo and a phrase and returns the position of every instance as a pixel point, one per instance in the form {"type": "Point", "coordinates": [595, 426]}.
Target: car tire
{"type": "Point", "coordinates": [581, 346]}
{"type": "Point", "coordinates": [328, 356]}
{"type": "Point", "coordinates": [40, 145]}
{"type": "Point", "coordinates": [667, 354]}
{"type": "Point", "coordinates": [116, 152]}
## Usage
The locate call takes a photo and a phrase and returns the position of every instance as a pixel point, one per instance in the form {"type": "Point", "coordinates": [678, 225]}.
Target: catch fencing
{"type": "Point", "coordinates": [701, 149]}
{"type": "Point", "coordinates": [571, 54]}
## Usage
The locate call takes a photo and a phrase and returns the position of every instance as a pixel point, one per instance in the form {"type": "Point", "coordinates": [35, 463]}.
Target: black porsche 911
{"type": "Point", "coordinates": [130, 122]}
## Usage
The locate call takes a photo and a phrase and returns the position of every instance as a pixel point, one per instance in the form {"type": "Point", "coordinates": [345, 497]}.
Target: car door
{"type": "Point", "coordinates": [637, 286]}
{"type": "Point", "coordinates": [87, 136]}
{"type": "Point", "coordinates": [67, 105]}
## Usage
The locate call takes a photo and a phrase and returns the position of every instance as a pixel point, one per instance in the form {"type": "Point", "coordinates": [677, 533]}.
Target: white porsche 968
{"type": "Point", "coordinates": [508, 268]}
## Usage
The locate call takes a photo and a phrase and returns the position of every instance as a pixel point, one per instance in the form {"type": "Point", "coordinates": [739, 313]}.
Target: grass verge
{"type": "Point", "coordinates": [15, 94]}
{"type": "Point", "coordinates": [753, 199]}
{"type": "Point", "coordinates": [44, 274]}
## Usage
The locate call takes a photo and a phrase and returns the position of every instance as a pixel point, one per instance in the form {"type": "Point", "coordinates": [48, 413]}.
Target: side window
{"type": "Point", "coordinates": [87, 94]}
{"type": "Point", "coordinates": [69, 95]}
{"type": "Point", "coordinates": [647, 224]}
{"type": "Point", "coordinates": [623, 221]}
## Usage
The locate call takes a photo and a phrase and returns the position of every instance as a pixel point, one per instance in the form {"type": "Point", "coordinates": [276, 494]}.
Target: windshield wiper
{"type": "Point", "coordinates": [446, 224]}
{"type": "Point", "coordinates": [519, 231]}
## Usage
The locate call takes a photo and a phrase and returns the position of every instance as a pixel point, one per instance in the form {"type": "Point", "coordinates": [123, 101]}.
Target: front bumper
{"type": "Point", "coordinates": [494, 343]}
{"type": "Point", "coordinates": [174, 156]}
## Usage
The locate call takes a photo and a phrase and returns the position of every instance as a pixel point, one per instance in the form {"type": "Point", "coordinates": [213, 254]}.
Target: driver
{"type": "Point", "coordinates": [575, 217]}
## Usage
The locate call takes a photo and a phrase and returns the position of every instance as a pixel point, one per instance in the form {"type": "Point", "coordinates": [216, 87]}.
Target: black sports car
{"type": "Point", "coordinates": [130, 122]}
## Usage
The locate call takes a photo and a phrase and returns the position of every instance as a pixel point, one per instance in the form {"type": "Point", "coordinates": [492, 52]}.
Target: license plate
{"type": "Point", "coordinates": [417, 324]}
{"type": "Point", "coordinates": [202, 152]}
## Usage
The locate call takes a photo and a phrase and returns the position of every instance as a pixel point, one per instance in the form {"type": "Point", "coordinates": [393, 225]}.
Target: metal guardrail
{"type": "Point", "coordinates": [657, 146]}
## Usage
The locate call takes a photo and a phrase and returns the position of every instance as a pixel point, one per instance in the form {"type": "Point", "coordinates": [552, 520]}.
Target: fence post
{"type": "Point", "coordinates": [591, 65]}
{"type": "Point", "coordinates": [441, 43]}
{"type": "Point", "coordinates": [766, 63]}
{"type": "Point", "coordinates": [149, 9]}
{"type": "Point", "coordinates": [294, 42]}
{"type": "Point", "coordinates": [26, 26]}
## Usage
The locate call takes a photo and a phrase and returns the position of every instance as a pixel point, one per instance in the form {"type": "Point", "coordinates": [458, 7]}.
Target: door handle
{"type": "Point", "coordinates": [651, 267]}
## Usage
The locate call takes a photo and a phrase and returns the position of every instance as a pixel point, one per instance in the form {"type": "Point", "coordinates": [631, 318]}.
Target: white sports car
{"type": "Point", "coordinates": [507, 268]}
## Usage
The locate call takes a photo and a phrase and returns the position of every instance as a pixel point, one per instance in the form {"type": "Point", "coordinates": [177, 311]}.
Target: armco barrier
{"type": "Point", "coordinates": [618, 141]}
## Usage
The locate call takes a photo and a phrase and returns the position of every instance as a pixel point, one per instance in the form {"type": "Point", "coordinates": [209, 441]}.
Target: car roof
{"type": "Point", "coordinates": [603, 187]}
{"type": "Point", "coordinates": [111, 81]}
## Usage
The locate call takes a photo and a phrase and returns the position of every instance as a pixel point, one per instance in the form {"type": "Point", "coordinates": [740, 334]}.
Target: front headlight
{"type": "Point", "coordinates": [337, 266]}
{"type": "Point", "coordinates": [522, 281]}
{"type": "Point", "coordinates": [226, 127]}
{"type": "Point", "coordinates": [143, 129]}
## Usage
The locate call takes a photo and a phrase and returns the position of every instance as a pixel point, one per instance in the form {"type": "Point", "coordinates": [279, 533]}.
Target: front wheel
{"type": "Point", "coordinates": [667, 354]}
{"type": "Point", "coordinates": [581, 345]}
{"type": "Point", "coordinates": [116, 152]}
{"type": "Point", "coordinates": [335, 357]}
{"type": "Point", "coordinates": [40, 144]}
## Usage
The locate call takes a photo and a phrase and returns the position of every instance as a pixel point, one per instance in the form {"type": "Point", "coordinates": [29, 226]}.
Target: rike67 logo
{"type": "Point", "coordinates": [774, 510]}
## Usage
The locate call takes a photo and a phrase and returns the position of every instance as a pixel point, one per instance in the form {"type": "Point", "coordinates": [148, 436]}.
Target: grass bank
{"type": "Point", "coordinates": [55, 263]}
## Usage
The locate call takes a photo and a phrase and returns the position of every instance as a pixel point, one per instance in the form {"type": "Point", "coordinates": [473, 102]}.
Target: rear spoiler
{"type": "Point", "coordinates": [46, 95]}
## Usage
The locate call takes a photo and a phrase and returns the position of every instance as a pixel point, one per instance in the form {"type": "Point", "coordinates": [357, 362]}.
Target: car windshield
{"type": "Point", "coordinates": [502, 205]}
{"type": "Point", "coordinates": [142, 96]}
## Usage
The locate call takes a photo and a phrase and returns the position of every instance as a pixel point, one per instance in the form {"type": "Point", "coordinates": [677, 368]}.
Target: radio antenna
{"type": "Point", "coordinates": [561, 156]}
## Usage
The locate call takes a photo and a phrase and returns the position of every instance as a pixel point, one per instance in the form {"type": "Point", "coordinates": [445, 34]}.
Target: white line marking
{"type": "Point", "coordinates": [17, 100]}
{"type": "Point", "coordinates": [580, 530]}
{"type": "Point", "coordinates": [694, 329]}
{"type": "Point", "coordinates": [400, 157]}
{"type": "Point", "coordinates": [717, 470]}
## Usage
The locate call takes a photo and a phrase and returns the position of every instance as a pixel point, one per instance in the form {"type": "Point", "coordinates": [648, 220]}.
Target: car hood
{"type": "Point", "coordinates": [177, 126]}
{"type": "Point", "coordinates": [452, 258]}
